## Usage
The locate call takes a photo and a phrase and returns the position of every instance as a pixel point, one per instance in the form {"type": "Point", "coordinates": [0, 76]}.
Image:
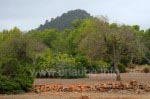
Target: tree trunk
{"type": "Point", "coordinates": [115, 61]}
{"type": "Point", "coordinates": [118, 77]}
{"type": "Point", "coordinates": [131, 61]}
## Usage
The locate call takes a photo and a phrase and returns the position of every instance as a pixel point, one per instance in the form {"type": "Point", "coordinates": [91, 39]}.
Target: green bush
{"type": "Point", "coordinates": [72, 71]}
{"type": "Point", "coordinates": [94, 68]}
{"type": "Point", "coordinates": [17, 56]}
{"type": "Point", "coordinates": [98, 67]}
{"type": "Point", "coordinates": [44, 60]}
{"type": "Point", "coordinates": [82, 60]}
{"type": "Point", "coordinates": [125, 60]}
{"type": "Point", "coordinates": [16, 78]}
{"type": "Point", "coordinates": [67, 71]}
{"type": "Point", "coordinates": [122, 68]}
{"type": "Point", "coordinates": [64, 66]}
{"type": "Point", "coordinates": [8, 85]}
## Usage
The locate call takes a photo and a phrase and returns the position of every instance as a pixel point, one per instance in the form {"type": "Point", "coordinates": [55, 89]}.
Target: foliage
{"type": "Point", "coordinates": [20, 47]}
{"type": "Point", "coordinates": [17, 61]}
{"type": "Point", "coordinates": [46, 36]}
{"type": "Point", "coordinates": [61, 42]}
{"type": "Point", "coordinates": [16, 78]}
{"type": "Point", "coordinates": [102, 41]}
{"type": "Point", "coordinates": [44, 60]}
{"type": "Point", "coordinates": [146, 45]}
{"type": "Point", "coordinates": [125, 60]}
{"type": "Point", "coordinates": [122, 68]}
{"type": "Point", "coordinates": [64, 66]}
{"type": "Point", "coordinates": [98, 67]}
{"type": "Point", "coordinates": [82, 61]}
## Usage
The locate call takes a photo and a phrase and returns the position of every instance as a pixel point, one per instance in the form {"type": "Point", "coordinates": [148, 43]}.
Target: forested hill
{"type": "Point", "coordinates": [64, 21]}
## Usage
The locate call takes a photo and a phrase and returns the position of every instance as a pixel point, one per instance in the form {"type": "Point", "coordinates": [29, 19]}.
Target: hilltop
{"type": "Point", "coordinates": [65, 20]}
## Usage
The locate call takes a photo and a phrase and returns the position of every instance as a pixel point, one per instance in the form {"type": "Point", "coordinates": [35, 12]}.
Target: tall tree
{"type": "Point", "coordinates": [18, 46]}
{"type": "Point", "coordinates": [101, 41]}
{"type": "Point", "coordinates": [145, 40]}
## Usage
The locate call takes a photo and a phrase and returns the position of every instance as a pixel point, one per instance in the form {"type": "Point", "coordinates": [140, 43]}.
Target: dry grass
{"type": "Point", "coordinates": [71, 95]}
{"type": "Point", "coordinates": [98, 78]}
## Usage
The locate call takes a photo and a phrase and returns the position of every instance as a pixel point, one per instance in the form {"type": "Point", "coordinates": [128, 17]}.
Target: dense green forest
{"type": "Point", "coordinates": [90, 44]}
{"type": "Point", "coordinates": [65, 20]}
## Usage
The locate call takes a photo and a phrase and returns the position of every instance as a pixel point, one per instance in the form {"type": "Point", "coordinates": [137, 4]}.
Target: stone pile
{"type": "Point", "coordinates": [104, 87]}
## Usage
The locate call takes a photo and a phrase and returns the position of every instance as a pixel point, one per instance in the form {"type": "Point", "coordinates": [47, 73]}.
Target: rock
{"type": "Point", "coordinates": [66, 89]}
{"type": "Point", "coordinates": [37, 91]}
{"type": "Point", "coordinates": [133, 86]}
{"type": "Point", "coordinates": [141, 86]}
{"type": "Point", "coordinates": [109, 85]}
{"type": "Point", "coordinates": [147, 88]}
{"type": "Point", "coordinates": [128, 86]}
{"type": "Point", "coordinates": [133, 83]}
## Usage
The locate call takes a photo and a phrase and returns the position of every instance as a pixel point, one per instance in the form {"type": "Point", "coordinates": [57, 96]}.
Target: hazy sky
{"type": "Point", "coordinates": [29, 14]}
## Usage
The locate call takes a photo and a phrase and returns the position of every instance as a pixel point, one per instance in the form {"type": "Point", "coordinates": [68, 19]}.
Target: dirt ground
{"type": "Point", "coordinates": [91, 80]}
{"type": "Point", "coordinates": [71, 95]}
{"type": "Point", "coordinates": [98, 78]}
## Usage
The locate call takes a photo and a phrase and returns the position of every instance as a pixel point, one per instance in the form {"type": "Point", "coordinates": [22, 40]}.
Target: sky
{"type": "Point", "coordinates": [29, 14]}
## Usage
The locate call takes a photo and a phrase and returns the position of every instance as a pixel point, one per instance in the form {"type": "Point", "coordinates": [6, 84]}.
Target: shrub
{"type": "Point", "coordinates": [44, 60]}
{"type": "Point", "coordinates": [8, 85]}
{"type": "Point", "coordinates": [82, 61]}
{"type": "Point", "coordinates": [18, 53]}
{"type": "Point", "coordinates": [72, 71]}
{"type": "Point", "coordinates": [16, 78]}
{"type": "Point", "coordinates": [64, 66]}
{"type": "Point", "coordinates": [146, 69]}
{"type": "Point", "coordinates": [122, 68]}
{"type": "Point", "coordinates": [98, 67]}
{"type": "Point", "coordinates": [125, 60]}
{"type": "Point", "coordinates": [94, 68]}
